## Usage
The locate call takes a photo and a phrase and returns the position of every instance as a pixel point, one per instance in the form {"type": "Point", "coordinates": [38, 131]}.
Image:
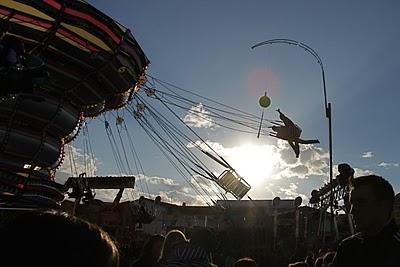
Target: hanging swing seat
{"type": "Point", "coordinates": [231, 182]}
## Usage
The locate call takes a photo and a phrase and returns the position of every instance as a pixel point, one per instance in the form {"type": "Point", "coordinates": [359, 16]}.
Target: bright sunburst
{"type": "Point", "coordinates": [253, 162]}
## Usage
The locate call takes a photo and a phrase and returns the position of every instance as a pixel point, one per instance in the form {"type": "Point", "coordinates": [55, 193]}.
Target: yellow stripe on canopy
{"type": "Point", "coordinates": [27, 24]}
{"type": "Point", "coordinates": [25, 9]}
{"type": "Point", "coordinates": [65, 39]}
{"type": "Point", "coordinates": [87, 36]}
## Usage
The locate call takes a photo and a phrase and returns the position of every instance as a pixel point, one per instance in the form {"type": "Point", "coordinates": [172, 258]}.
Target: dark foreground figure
{"type": "Point", "coordinates": [151, 252]}
{"type": "Point", "coordinates": [378, 242]}
{"type": "Point", "coordinates": [55, 239]}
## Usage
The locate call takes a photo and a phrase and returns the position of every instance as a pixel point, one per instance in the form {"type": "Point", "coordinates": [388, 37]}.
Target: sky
{"type": "Point", "coordinates": [205, 47]}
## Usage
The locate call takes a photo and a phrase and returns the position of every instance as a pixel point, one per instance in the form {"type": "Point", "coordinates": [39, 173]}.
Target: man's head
{"type": "Point", "coordinates": [371, 199]}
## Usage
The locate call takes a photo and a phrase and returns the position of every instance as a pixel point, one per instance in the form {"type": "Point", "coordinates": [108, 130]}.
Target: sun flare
{"type": "Point", "coordinates": [253, 162]}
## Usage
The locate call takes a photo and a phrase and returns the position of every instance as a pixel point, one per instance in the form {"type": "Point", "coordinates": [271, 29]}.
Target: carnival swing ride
{"type": "Point", "coordinates": [64, 63]}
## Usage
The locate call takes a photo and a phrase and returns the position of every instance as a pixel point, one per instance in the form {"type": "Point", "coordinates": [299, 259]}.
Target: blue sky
{"type": "Point", "coordinates": [204, 47]}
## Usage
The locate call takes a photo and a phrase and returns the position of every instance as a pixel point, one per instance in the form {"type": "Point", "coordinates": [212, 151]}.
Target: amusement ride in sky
{"type": "Point", "coordinates": [64, 63]}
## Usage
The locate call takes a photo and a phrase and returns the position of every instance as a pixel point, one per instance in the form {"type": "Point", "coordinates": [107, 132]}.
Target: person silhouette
{"type": "Point", "coordinates": [290, 132]}
{"type": "Point", "coordinates": [53, 238]}
{"type": "Point", "coordinates": [377, 242]}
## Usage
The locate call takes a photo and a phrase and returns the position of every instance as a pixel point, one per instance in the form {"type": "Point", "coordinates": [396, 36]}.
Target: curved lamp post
{"type": "Point", "coordinates": [328, 109]}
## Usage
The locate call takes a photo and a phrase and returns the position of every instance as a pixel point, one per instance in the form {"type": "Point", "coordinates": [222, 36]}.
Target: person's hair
{"type": "Point", "coordinates": [319, 262]}
{"type": "Point", "coordinates": [147, 251]}
{"type": "Point", "coordinates": [53, 238]}
{"type": "Point", "coordinates": [381, 188]}
{"type": "Point", "coordinates": [4, 27]}
{"type": "Point", "coordinates": [310, 258]}
{"type": "Point", "coordinates": [245, 262]}
{"type": "Point", "coordinates": [173, 239]}
{"type": "Point", "coordinates": [328, 257]}
{"type": "Point", "coordinates": [299, 264]}
{"type": "Point", "coordinates": [205, 239]}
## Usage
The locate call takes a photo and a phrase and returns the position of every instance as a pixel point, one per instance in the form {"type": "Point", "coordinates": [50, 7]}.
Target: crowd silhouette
{"type": "Point", "coordinates": [53, 238]}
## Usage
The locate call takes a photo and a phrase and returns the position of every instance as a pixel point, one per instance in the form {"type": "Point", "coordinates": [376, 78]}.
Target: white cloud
{"type": "Point", "coordinates": [362, 172]}
{"type": "Point", "coordinates": [261, 164]}
{"type": "Point", "coordinates": [292, 192]}
{"type": "Point", "coordinates": [286, 176]}
{"type": "Point", "coordinates": [76, 162]}
{"type": "Point", "coordinates": [160, 181]}
{"type": "Point", "coordinates": [170, 189]}
{"type": "Point", "coordinates": [198, 117]}
{"type": "Point", "coordinates": [367, 155]}
{"type": "Point", "coordinates": [207, 146]}
{"type": "Point", "coordinates": [388, 165]}
{"type": "Point", "coordinates": [177, 197]}
{"type": "Point", "coordinates": [174, 193]}
{"type": "Point", "coordinates": [313, 161]}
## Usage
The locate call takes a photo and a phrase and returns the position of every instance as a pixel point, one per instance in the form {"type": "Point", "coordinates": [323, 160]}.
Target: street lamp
{"type": "Point", "coordinates": [328, 108]}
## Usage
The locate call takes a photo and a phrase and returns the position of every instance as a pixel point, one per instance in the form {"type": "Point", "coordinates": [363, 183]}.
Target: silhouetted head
{"type": "Point", "coordinates": [4, 26]}
{"type": "Point", "coordinates": [346, 174]}
{"type": "Point", "coordinates": [173, 239]}
{"type": "Point", "coordinates": [319, 262]}
{"type": "Point", "coordinates": [153, 247]}
{"type": "Point", "coordinates": [56, 239]}
{"type": "Point", "coordinates": [371, 199]}
{"type": "Point", "coordinates": [245, 262]}
{"type": "Point", "coordinates": [299, 264]}
{"type": "Point", "coordinates": [205, 239]}
{"type": "Point", "coordinates": [328, 257]}
{"type": "Point", "coordinates": [275, 128]}
{"type": "Point", "coordinates": [14, 43]}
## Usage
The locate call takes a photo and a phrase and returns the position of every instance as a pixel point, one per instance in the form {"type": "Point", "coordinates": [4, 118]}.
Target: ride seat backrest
{"type": "Point", "coordinates": [233, 184]}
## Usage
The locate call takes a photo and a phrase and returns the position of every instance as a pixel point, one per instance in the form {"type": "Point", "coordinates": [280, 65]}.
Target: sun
{"type": "Point", "coordinates": [253, 162]}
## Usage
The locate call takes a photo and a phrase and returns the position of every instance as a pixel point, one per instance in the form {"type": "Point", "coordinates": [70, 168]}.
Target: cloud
{"type": "Point", "coordinates": [76, 162]}
{"type": "Point", "coordinates": [198, 117]}
{"type": "Point", "coordinates": [160, 181]}
{"type": "Point", "coordinates": [275, 171]}
{"type": "Point", "coordinates": [388, 165]}
{"type": "Point", "coordinates": [274, 168]}
{"type": "Point", "coordinates": [292, 192]}
{"type": "Point", "coordinates": [207, 146]}
{"type": "Point", "coordinates": [367, 155]}
{"type": "Point", "coordinates": [150, 186]}
{"type": "Point", "coordinates": [362, 172]}
{"type": "Point", "coordinates": [259, 165]}
{"type": "Point", "coordinates": [313, 161]}
{"type": "Point", "coordinates": [178, 197]}
{"type": "Point", "coordinates": [169, 196]}
{"type": "Point", "coordinates": [169, 190]}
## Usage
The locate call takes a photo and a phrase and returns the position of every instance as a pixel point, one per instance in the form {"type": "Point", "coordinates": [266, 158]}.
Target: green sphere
{"type": "Point", "coordinates": [264, 101]}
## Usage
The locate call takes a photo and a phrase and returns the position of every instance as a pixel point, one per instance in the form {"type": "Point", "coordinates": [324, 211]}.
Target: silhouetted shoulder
{"type": "Point", "coordinates": [348, 252]}
{"type": "Point", "coordinates": [353, 240]}
{"type": "Point", "coordinates": [396, 237]}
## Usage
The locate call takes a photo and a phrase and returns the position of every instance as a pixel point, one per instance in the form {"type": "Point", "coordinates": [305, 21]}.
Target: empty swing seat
{"type": "Point", "coordinates": [231, 182]}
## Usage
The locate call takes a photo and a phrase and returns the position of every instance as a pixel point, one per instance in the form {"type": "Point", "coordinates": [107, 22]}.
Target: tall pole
{"type": "Point", "coordinates": [328, 107]}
